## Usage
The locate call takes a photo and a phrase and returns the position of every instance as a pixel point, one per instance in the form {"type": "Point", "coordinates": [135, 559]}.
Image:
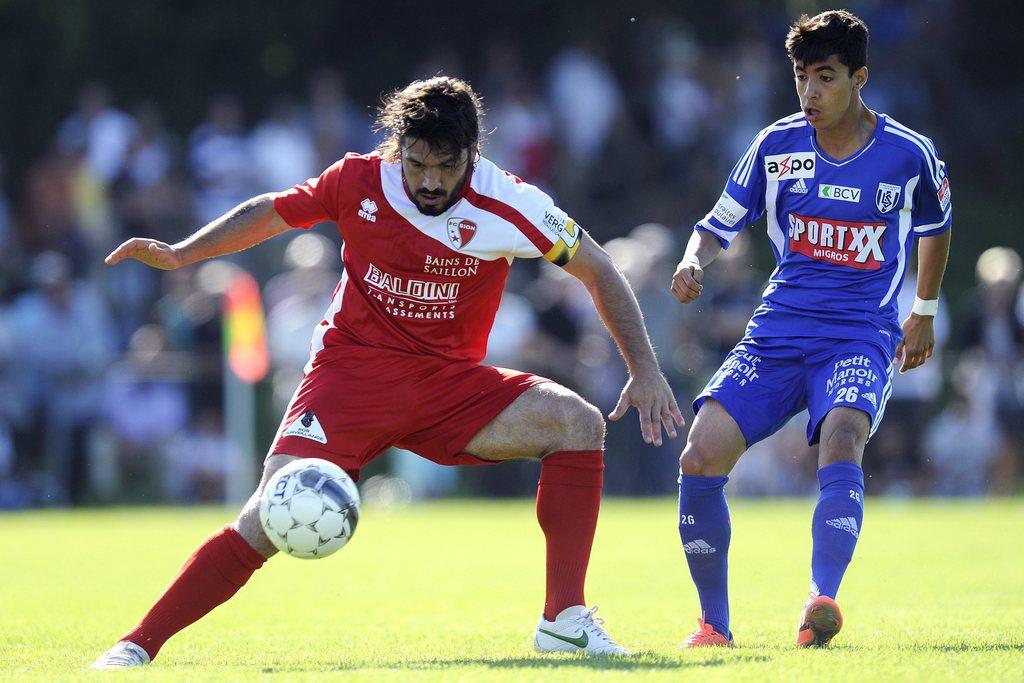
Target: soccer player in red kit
{"type": "Point", "coordinates": [430, 228]}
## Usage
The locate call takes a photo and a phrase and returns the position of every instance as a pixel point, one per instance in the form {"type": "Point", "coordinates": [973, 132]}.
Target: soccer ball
{"type": "Point", "coordinates": [310, 508]}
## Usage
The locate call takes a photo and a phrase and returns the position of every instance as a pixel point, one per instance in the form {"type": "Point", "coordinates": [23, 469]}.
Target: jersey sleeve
{"type": "Point", "coordinates": [314, 201]}
{"type": "Point", "coordinates": [742, 200]}
{"type": "Point", "coordinates": [933, 206]}
{"type": "Point", "coordinates": [555, 236]}
{"type": "Point", "coordinates": [542, 229]}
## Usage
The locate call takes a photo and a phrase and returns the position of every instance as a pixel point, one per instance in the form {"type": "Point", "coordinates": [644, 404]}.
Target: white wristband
{"type": "Point", "coordinates": [925, 306]}
{"type": "Point", "coordinates": [691, 261]}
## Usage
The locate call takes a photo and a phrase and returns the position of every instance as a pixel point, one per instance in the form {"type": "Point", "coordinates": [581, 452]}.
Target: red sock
{"type": "Point", "coordinates": [215, 572]}
{"type": "Point", "coordinates": [568, 499]}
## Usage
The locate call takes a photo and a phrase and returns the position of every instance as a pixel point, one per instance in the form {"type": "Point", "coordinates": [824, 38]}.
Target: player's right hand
{"type": "Point", "coordinates": [686, 282]}
{"type": "Point", "coordinates": [153, 253]}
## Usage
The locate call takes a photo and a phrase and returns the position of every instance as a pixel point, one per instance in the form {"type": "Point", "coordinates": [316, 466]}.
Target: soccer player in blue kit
{"type": "Point", "coordinates": [846, 191]}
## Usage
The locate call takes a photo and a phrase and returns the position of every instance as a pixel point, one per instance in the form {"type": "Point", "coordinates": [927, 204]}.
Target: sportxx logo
{"type": "Point", "coordinates": [789, 166]}
{"type": "Point", "coordinates": [367, 208]}
{"type": "Point", "coordinates": [844, 243]}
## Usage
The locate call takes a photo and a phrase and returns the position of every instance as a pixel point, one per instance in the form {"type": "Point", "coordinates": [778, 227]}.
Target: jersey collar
{"type": "Point", "coordinates": [879, 124]}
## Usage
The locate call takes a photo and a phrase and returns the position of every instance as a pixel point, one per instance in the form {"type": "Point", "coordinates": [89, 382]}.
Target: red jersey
{"type": "Point", "coordinates": [425, 285]}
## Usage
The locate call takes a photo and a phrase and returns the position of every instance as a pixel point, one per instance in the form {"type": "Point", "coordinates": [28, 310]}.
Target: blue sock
{"type": "Point", "coordinates": [836, 525]}
{"type": "Point", "coordinates": [704, 530]}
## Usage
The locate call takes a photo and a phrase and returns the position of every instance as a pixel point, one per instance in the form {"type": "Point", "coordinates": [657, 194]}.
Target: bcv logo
{"type": "Point", "coordinates": [839, 193]}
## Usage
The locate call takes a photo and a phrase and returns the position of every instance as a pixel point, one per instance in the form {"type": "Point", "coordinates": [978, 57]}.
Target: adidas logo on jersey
{"type": "Point", "coordinates": [799, 187]}
{"type": "Point", "coordinates": [872, 399]}
{"type": "Point", "coordinates": [368, 207]}
{"type": "Point", "coordinates": [844, 523]}
{"type": "Point", "coordinates": [698, 547]}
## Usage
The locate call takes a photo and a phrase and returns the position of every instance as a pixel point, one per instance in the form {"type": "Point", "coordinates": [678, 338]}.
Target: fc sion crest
{"type": "Point", "coordinates": [887, 197]}
{"type": "Point", "coordinates": [460, 231]}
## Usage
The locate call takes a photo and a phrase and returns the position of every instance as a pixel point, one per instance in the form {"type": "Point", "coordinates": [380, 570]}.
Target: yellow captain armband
{"type": "Point", "coordinates": [567, 240]}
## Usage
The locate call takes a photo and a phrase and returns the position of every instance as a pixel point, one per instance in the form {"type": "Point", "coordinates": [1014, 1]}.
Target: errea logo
{"type": "Point", "coordinates": [368, 207]}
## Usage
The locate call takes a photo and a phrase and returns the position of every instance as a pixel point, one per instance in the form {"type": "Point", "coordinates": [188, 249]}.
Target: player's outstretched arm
{"type": "Point", "coordinates": [919, 327]}
{"type": "Point", "coordinates": [647, 390]}
{"type": "Point", "coordinates": [701, 250]}
{"type": "Point", "coordinates": [246, 225]}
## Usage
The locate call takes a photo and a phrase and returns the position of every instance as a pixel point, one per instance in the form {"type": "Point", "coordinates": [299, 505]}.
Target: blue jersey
{"type": "Point", "coordinates": [841, 231]}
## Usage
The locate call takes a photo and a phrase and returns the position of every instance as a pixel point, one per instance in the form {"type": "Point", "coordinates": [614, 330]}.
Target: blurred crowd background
{"type": "Point", "coordinates": [153, 119]}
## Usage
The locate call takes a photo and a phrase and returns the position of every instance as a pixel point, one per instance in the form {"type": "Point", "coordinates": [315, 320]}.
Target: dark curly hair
{"type": "Point", "coordinates": [836, 32]}
{"type": "Point", "coordinates": [442, 111]}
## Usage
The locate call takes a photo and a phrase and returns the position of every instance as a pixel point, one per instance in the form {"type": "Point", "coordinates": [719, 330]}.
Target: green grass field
{"type": "Point", "coordinates": [452, 591]}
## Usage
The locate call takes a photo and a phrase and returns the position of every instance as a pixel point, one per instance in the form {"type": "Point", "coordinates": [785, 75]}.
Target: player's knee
{"type": "Point", "coordinates": [248, 523]}
{"type": "Point", "coordinates": [581, 425]}
{"type": "Point", "coordinates": [702, 458]}
{"type": "Point", "coordinates": [249, 527]}
{"type": "Point", "coordinates": [844, 441]}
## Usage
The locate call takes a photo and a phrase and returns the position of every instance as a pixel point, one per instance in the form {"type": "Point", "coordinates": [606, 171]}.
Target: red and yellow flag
{"type": "Point", "coordinates": [245, 338]}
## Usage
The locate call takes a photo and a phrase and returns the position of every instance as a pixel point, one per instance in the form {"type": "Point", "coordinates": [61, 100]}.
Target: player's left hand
{"type": "Point", "coordinates": [918, 342]}
{"type": "Point", "coordinates": [652, 397]}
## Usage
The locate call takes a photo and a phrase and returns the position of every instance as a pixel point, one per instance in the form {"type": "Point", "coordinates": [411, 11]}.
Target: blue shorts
{"type": "Point", "coordinates": [765, 382]}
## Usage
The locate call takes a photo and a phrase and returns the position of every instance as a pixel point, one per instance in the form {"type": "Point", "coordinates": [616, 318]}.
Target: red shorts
{"type": "Point", "coordinates": [351, 410]}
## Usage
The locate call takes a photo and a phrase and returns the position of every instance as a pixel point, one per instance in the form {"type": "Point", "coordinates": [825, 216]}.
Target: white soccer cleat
{"type": "Point", "coordinates": [122, 655]}
{"type": "Point", "coordinates": [576, 630]}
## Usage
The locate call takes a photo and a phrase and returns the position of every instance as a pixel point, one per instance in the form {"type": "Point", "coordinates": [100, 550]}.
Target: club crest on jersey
{"type": "Point", "coordinates": [460, 231]}
{"type": "Point", "coordinates": [887, 197]}
{"type": "Point", "coordinates": [790, 166]}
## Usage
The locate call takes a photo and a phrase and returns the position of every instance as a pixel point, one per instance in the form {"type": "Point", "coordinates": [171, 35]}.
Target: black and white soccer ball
{"type": "Point", "coordinates": [310, 508]}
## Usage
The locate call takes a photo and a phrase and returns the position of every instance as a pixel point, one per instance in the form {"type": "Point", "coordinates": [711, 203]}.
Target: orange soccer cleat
{"type": "Point", "coordinates": [705, 636]}
{"type": "Point", "coordinates": [820, 622]}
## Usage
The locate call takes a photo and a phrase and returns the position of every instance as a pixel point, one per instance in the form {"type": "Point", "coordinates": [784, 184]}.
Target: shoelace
{"type": "Point", "coordinates": [587, 621]}
{"type": "Point", "coordinates": [705, 633]}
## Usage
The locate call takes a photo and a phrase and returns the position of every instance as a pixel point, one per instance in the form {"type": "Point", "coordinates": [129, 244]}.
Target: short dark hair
{"type": "Point", "coordinates": [442, 111]}
{"type": "Point", "coordinates": [836, 32]}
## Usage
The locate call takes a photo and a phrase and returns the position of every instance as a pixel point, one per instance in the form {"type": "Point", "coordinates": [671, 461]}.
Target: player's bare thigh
{"type": "Point", "coordinates": [248, 522]}
{"type": "Point", "coordinates": [844, 432]}
{"type": "Point", "coordinates": [546, 418]}
{"type": "Point", "coordinates": [714, 444]}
